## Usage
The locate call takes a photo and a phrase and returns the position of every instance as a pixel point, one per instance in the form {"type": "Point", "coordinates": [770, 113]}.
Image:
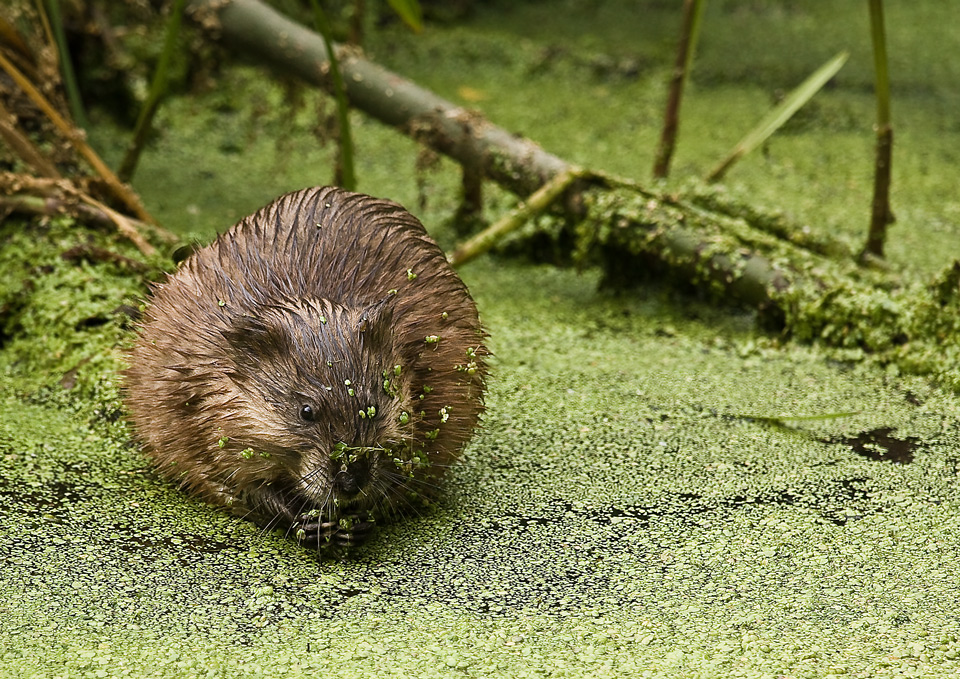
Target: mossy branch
{"type": "Point", "coordinates": [516, 163]}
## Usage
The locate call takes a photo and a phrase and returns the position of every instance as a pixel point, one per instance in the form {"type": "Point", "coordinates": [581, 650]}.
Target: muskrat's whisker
{"type": "Point", "coordinates": [422, 483]}
{"type": "Point", "coordinates": [232, 473]}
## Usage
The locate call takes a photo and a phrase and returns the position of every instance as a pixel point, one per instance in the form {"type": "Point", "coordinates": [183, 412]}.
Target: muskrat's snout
{"type": "Point", "coordinates": [352, 477]}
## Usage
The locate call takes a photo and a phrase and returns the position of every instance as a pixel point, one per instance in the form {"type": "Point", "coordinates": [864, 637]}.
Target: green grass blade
{"type": "Point", "coordinates": [409, 12]}
{"type": "Point", "coordinates": [879, 40]}
{"type": "Point", "coordinates": [694, 37]}
{"type": "Point", "coordinates": [158, 89]}
{"type": "Point", "coordinates": [346, 176]}
{"type": "Point", "coordinates": [780, 114]}
{"type": "Point", "coordinates": [66, 66]}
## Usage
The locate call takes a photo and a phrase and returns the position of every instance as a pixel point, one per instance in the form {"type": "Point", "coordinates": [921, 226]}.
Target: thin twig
{"type": "Point", "coordinates": [123, 224]}
{"type": "Point", "coordinates": [50, 197]}
{"type": "Point", "coordinates": [50, 207]}
{"type": "Point", "coordinates": [12, 39]}
{"type": "Point", "coordinates": [689, 30]}
{"type": "Point", "coordinates": [881, 215]}
{"type": "Point", "coordinates": [92, 253]}
{"type": "Point", "coordinates": [345, 176]}
{"type": "Point", "coordinates": [471, 199]}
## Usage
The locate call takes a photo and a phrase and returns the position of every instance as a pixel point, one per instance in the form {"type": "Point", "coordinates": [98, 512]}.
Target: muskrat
{"type": "Point", "coordinates": [316, 367]}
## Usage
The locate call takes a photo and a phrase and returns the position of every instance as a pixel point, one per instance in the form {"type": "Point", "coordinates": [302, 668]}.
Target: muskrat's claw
{"type": "Point", "coordinates": [345, 532]}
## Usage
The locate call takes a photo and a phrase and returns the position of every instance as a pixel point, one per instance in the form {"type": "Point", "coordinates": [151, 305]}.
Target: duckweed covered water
{"type": "Point", "coordinates": [621, 512]}
{"type": "Point", "coordinates": [638, 503]}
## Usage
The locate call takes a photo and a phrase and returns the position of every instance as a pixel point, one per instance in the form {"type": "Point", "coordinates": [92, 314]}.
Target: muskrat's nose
{"type": "Point", "coordinates": [353, 476]}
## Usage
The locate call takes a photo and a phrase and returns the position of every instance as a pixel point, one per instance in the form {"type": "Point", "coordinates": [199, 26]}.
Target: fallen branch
{"type": "Point", "coordinates": [518, 164]}
{"type": "Point", "coordinates": [252, 28]}
{"type": "Point", "coordinates": [52, 197]}
{"type": "Point", "coordinates": [50, 207]}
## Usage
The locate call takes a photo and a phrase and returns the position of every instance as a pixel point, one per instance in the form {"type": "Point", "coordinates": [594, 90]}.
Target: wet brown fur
{"type": "Point", "coordinates": [312, 301]}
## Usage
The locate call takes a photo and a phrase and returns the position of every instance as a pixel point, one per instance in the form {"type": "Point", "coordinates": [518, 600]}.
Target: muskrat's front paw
{"type": "Point", "coordinates": [348, 531]}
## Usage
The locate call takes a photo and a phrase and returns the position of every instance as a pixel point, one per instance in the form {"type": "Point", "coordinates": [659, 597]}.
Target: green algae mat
{"type": "Point", "coordinates": [632, 507]}
{"type": "Point", "coordinates": [658, 490]}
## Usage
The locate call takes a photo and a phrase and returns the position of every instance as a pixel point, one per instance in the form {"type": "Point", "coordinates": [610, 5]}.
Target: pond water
{"type": "Point", "coordinates": [639, 501]}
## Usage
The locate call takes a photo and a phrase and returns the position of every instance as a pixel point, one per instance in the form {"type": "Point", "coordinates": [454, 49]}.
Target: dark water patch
{"type": "Point", "coordinates": [188, 548]}
{"type": "Point", "coordinates": [52, 500]}
{"type": "Point", "coordinates": [879, 445]}
{"type": "Point", "coordinates": [350, 592]}
{"type": "Point", "coordinates": [95, 321]}
{"type": "Point", "coordinates": [838, 503]}
{"type": "Point", "coordinates": [912, 398]}
{"type": "Point", "coordinates": [875, 444]}
{"type": "Point", "coordinates": [516, 520]}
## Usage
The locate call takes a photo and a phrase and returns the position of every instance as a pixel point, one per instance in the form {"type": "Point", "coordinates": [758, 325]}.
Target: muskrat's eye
{"type": "Point", "coordinates": [306, 413]}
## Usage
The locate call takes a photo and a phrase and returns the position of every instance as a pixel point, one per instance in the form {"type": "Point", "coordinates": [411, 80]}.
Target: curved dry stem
{"type": "Point", "coordinates": [25, 149]}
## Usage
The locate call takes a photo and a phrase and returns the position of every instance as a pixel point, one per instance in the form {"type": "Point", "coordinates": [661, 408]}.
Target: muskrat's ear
{"type": "Point", "coordinates": [375, 323]}
{"type": "Point", "coordinates": [251, 338]}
